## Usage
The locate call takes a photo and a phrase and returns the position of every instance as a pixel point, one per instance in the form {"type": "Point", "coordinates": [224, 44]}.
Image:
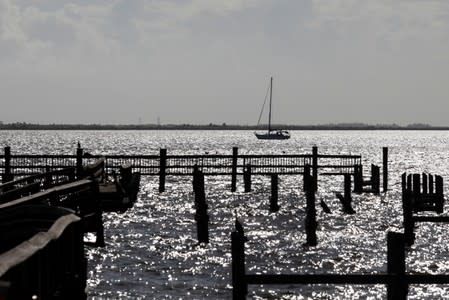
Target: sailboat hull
{"type": "Point", "coordinates": [272, 136]}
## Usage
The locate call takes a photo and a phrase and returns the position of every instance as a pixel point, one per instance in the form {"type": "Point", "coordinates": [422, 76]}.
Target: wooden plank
{"type": "Point", "coordinates": [66, 188]}
{"type": "Point", "coordinates": [434, 219]}
{"type": "Point", "coordinates": [18, 192]}
{"type": "Point", "coordinates": [344, 278]}
{"type": "Point", "coordinates": [28, 248]}
{"type": "Point", "coordinates": [67, 171]}
{"type": "Point", "coordinates": [318, 279]}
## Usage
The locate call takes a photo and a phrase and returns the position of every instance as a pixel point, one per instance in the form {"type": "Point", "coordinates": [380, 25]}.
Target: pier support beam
{"type": "Point", "coordinates": [315, 167]}
{"type": "Point", "coordinates": [375, 179]}
{"type": "Point", "coordinates": [79, 162]}
{"type": "Point", "coordinates": [439, 192]}
{"type": "Point", "coordinates": [7, 176]}
{"type": "Point", "coordinates": [162, 169]}
{"type": "Point", "coordinates": [358, 179]}
{"type": "Point", "coordinates": [235, 151]}
{"type": "Point", "coordinates": [201, 216]}
{"type": "Point", "coordinates": [274, 207]}
{"type": "Point", "coordinates": [385, 168]}
{"type": "Point", "coordinates": [397, 289]}
{"type": "Point", "coordinates": [346, 199]}
{"type": "Point", "coordinates": [310, 221]}
{"type": "Point", "coordinates": [239, 285]}
{"type": "Point", "coordinates": [247, 178]}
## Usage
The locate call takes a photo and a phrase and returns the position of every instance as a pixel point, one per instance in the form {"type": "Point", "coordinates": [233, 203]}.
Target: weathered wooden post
{"type": "Point", "coordinates": [416, 184]}
{"type": "Point", "coordinates": [346, 199]}
{"type": "Point", "coordinates": [385, 168]}
{"type": "Point", "coordinates": [409, 183]}
{"type": "Point", "coordinates": [239, 284]}
{"type": "Point", "coordinates": [310, 221]}
{"type": "Point", "coordinates": [375, 178]}
{"type": "Point", "coordinates": [439, 191]}
{"type": "Point", "coordinates": [201, 216]}
{"type": "Point", "coordinates": [79, 162]}
{"type": "Point", "coordinates": [416, 191]}
{"type": "Point", "coordinates": [347, 190]}
{"type": "Point", "coordinates": [7, 176]}
{"type": "Point", "coordinates": [235, 151]}
{"type": "Point", "coordinates": [430, 184]}
{"type": "Point", "coordinates": [99, 241]}
{"type": "Point", "coordinates": [162, 169]}
{"type": "Point", "coordinates": [315, 167]}
{"type": "Point", "coordinates": [397, 288]}
{"type": "Point", "coordinates": [358, 179]}
{"type": "Point", "coordinates": [274, 207]}
{"type": "Point", "coordinates": [407, 211]}
{"type": "Point", "coordinates": [247, 178]}
{"type": "Point", "coordinates": [425, 184]}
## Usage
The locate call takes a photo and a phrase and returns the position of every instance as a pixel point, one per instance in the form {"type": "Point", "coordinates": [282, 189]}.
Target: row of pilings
{"type": "Point", "coordinates": [359, 182]}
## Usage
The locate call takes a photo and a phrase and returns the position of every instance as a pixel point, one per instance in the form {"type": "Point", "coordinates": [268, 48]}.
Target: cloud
{"type": "Point", "coordinates": [393, 21]}
{"type": "Point", "coordinates": [176, 56]}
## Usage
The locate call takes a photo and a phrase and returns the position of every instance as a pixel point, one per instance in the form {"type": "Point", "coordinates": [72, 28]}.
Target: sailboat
{"type": "Point", "coordinates": [272, 134]}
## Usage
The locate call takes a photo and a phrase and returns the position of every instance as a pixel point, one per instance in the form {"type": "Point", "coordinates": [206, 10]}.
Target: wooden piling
{"type": "Point", "coordinates": [425, 184]}
{"type": "Point", "coordinates": [274, 207]}
{"type": "Point", "coordinates": [347, 183]}
{"type": "Point", "coordinates": [416, 184]}
{"type": "Point", "coordinates": [397, 288]}
{"type": "Point", "coordinates": [79, 163]}
{"type": "Point", "coordinates": [375, 178]}
{"type": "Point", "coordinates": [439, 191]}
{"type": "Point", "coordinates": [358, 179]}
{"type": "Point", "coordinates": [315, 167]}
{"type": "Point", "coordinates": [409, 183]}
{"type": "Point", "coordinates": [415, 192]}
{"type": "Point", "coordinates": [239, 284]}
{"type": "Point", "coordinates": [310, 221]}
{"type": "Point", "coordinates": [247, 178]}
{"type": "Point", "coordinates": [347, 198]}
{"type": "Point", "coordinates": [162, 169]}
{"type": "Point", "coordinates": [407, 211]}
{"type": "Point", "coordinates": [7, 176]}
{"type": "Point", "coordinates": [385, 168]}
{"type": "Point", "coordinates": [431, 184]}
{"type": "Point", "coordinates": [201, 216]}
{"type": "Point", "coordinates": [99, 235]}
{"type": "Point", "coordinates": [234, 169]}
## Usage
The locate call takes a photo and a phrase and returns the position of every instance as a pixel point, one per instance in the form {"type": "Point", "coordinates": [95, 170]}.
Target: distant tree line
{"type": "Point", "coordinates": [212, 126]}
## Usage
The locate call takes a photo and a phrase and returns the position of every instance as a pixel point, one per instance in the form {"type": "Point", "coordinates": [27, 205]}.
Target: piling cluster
{"type": "Point", "coordinates": [43, 219]}
{"type": "Point", "coordinates": [79, 194]}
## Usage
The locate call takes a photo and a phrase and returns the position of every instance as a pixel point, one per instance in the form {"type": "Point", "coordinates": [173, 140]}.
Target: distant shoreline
{"type": "Point", "coordinates": [356, 126]}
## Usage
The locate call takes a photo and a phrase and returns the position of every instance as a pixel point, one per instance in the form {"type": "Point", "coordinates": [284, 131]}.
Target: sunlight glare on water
{"type": "Point", "coordinates": [151, 250]}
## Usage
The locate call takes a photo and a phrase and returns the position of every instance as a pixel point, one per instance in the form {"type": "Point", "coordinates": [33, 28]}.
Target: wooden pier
{"type": "Point", "coordinates": [42, 253]}
{"type": "Point", "coordinates": [165, 164]}
{"type": "Point", "coordinates": [79, 182]}
{"type": "Point", "coordinates": [396, 279]}
{"type": "Point", "coordinates": [421, 193]}
{"type": "Point", "coordinates": [29, 245]}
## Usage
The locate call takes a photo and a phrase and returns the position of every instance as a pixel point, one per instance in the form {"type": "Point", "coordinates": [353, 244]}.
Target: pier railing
{"type": "Point", "coordinates": [179, 165]}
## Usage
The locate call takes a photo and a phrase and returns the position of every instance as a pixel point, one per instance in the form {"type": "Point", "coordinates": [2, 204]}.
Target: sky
{"type": "Point", "coordinates": [209, 61]}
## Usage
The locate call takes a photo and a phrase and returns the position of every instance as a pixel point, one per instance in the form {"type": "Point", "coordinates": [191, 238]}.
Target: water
{"type": "Point", "coordinates": [151, 250]}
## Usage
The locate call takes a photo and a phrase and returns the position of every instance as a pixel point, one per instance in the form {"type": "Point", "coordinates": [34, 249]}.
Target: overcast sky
{"type": "Point", "coordinates": [202, 61]}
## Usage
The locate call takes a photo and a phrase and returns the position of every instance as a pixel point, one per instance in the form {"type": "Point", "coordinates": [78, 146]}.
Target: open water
{"type": "Point", "coordinates": [151, 251]}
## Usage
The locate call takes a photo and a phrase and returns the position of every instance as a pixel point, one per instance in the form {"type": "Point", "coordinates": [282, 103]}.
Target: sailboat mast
{"type": "Point", "coordinates": [271, 95]}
